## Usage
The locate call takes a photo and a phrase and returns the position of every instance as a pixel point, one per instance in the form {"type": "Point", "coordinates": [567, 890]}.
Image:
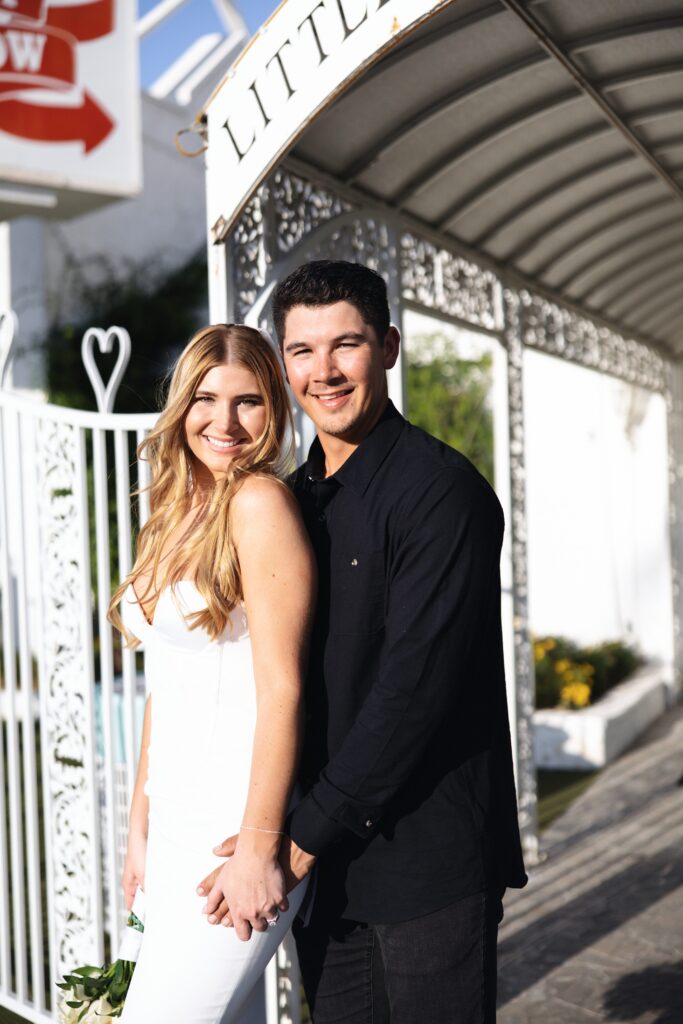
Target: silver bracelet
{"type": "Point", "coordinates": [255, 828]}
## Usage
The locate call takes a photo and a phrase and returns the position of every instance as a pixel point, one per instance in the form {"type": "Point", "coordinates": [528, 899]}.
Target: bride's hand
{"type": "Point", "coordinates": [252, 886]}
{"type": "Point", "coordinates": [221, 914]}
{"type": "Point", "coordinates": [134, 867]}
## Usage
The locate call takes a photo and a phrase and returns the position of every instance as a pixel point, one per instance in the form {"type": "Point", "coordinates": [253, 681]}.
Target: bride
{"type": "Point", "coordinates": [221, 597]}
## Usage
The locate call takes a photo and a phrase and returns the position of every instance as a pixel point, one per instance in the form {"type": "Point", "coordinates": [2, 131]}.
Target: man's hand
{"type": "Point", "coordinates": [295, 864]}
{"type": "Point", "coordinates": [221, 913]}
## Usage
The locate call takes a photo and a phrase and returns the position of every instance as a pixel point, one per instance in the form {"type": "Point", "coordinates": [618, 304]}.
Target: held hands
{"type": "Point", "coordinates": [256, 891]}
{"type": "Point", "coordinates": [253, 887]}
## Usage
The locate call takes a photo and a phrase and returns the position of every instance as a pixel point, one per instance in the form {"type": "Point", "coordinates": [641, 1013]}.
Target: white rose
{"type": "Point", "coordinates": [99, 1012]}
{"type": "Point", "coordinates": [68, 1014]}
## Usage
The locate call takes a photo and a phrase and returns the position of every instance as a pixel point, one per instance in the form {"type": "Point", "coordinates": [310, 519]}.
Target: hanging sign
{"type": "Point", "coordinates": [299, 62]}
{"type": "Point", "coordinates": [69, 96]}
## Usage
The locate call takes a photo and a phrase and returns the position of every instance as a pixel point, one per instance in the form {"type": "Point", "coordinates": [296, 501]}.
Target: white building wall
{"type": "Point", "coordinates": [24, 274]}
{"type": "Point", "coordinates": [162, 227]}
{"type": "Point", "coordinates": [165, 225]}
{"type": "Point", "coordinates": [597, 505]}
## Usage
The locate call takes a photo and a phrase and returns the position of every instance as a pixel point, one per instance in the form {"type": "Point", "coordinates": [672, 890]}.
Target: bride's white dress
{"type": "Point", "coordinates": [202, 730]}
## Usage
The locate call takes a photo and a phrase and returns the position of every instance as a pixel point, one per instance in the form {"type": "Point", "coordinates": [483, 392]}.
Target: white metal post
{"type": "Point", "coordinates": [523, 657]}
{"type": "Point", "coordinates": [396, 376]}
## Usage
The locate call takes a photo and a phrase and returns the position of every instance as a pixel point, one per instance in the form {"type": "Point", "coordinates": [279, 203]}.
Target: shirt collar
{"type": "Point", "coordinates": [359, 469]}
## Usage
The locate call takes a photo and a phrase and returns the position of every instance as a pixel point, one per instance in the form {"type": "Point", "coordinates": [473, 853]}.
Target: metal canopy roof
{"type": "Point", "coordinates": [545, 137]}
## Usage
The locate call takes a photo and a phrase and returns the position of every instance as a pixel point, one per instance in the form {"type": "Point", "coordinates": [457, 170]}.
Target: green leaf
{"type": "Point", "coordinates": [89, 972]}
{"type": "Point", "coordinates": [95, 987]}
{"type": "Point", "coordinates": [135, 922]}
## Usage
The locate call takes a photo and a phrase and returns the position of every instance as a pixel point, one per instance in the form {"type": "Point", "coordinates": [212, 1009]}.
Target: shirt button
{"type": "Point", "coordinates": [354, 561]}
{"type": "Point", "coordinates": [321, 517]}
{"type": "Point", "coordinates": [369, 823]}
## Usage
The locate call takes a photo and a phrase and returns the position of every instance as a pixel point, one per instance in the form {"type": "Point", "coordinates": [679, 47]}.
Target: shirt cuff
{"type": "Point", "coordinates": [311, 829]}
{"type": "Point", "coordinates": [315, 831]}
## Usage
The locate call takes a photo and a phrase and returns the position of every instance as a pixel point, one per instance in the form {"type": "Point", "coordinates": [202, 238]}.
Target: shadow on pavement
{"type": "Point", "coordinates": [654, 989]}
{"type": "Point", "coordinates": [549, 941]}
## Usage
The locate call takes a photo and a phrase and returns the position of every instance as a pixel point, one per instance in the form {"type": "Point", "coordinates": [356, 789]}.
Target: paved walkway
{"type": "Point", "coordinates": [597, 935]}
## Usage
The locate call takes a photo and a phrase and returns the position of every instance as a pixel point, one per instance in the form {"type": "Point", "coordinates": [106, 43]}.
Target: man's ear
{"type": "Point", "coordinates": [392, 346]}
{"type": "Point", "coordinates": [283, 362]}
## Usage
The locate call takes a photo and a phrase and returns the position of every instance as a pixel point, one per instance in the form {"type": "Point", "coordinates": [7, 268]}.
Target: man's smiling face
{"type": "Point", "coordinates": [336, 367]}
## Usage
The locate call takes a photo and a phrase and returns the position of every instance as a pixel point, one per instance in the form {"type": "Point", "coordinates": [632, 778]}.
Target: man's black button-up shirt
{"type": "Point", "coordinates": [407, 766]}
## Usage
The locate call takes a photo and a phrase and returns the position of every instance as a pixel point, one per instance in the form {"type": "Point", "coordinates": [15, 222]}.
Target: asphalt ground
{"type": "Point", "coordinates": [597, 934]}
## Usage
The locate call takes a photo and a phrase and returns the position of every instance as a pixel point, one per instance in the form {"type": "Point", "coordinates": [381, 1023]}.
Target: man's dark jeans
{"type": "Point", "coordinates": [436, 969]}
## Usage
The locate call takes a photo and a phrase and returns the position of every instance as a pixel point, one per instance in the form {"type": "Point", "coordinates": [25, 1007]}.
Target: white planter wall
{"type": "Point", "coordinates": [595, 736]}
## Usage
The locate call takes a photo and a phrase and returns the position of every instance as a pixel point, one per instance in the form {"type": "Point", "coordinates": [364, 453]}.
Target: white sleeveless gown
{"type": "Point", "coordinates": [202, 730]}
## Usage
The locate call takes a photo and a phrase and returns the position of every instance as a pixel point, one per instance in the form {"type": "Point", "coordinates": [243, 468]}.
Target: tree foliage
{"type": "Point", "coordinates": [159, 309]}
{"type": "Point", "coordinates": [450, 398]}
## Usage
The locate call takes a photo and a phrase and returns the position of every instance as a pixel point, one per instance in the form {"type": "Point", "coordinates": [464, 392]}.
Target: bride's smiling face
{"type": "Point", "coordinates": [226, 414]}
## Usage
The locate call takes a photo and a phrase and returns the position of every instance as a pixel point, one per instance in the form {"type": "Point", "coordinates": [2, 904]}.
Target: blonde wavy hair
{"type": "Point", "coordinates": [207, 552]}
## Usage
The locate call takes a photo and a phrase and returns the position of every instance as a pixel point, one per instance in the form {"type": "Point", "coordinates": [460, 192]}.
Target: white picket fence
{"type": "Point", "coordinates": [71, 696]}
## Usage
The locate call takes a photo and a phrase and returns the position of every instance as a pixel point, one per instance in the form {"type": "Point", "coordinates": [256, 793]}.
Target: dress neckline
{"type": "Point", "coordinates": [149, 619]}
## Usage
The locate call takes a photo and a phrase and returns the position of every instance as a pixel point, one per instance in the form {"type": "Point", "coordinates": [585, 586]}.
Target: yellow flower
{"type": "Point", "coordinates": [576, 695]}
{"type": "Point", "coordinates": [550, 644]}
{"type": "Point", "coordinates": [562, 665]}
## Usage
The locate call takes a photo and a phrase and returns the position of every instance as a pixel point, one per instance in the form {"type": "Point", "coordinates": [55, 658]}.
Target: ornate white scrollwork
{"type": "Point", "coordinates": [300, 208]}
{"type": "Point", "coordinates": [447, 283]}
{"type": "Point", "coordinates": [249, 257]}
{"type": "Point", "coordinates": [562, 332]}
{"type": "Point", "coordinates": [284, 211]}
{"type": "Point", "coordinates": [524, 670]}
{"type": "Point", "coordinates": [68, 757]}
{"type": "Point", "coordinates": [287, 982]}
{"type": "Point", "coordinates": [674, 419]}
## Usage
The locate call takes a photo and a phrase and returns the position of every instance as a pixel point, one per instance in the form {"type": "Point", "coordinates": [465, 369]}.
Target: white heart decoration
{"type": "Point", "coordinates": [9, 326]}
{"type": "Point", "coordinates": [105, 394]}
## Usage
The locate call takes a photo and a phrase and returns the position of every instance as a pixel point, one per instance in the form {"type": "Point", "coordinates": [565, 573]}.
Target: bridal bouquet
{"type": "Point", "coordinates": [95, 995]}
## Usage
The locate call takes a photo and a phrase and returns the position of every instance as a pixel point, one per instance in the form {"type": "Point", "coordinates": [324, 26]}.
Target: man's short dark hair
{"type": "Point", "coordinates": [323, 282]}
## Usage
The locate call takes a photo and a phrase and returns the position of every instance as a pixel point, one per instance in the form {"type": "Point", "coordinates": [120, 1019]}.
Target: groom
{"type": "Point", "coordinates": [409, 812]}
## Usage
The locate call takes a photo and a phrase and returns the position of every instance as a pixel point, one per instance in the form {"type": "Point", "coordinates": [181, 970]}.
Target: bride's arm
{"type": "Point", "coordinates": [278, 580]}
{"type": "Point", "coordinates": [138, 821]}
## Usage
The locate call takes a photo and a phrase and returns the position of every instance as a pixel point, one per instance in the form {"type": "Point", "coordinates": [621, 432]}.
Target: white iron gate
{"type": "Point", "coordinates": [71, 696]}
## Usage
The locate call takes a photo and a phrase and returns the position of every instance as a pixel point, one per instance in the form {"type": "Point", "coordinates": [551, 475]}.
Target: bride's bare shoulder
{"type": "Point", "coordinates": [261, 495]}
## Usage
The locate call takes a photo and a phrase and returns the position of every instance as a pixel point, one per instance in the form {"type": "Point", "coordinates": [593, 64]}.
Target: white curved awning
{"type": "Point", "coordinates": [545, 139]}
{"type": "Point", "coordinates": [301, 60]}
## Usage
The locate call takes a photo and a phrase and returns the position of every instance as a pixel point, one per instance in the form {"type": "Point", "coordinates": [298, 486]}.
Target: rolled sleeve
{"type": "Point", "coordinates": [315, 827]}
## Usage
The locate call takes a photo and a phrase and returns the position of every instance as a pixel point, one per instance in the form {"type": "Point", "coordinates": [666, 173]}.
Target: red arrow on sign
{"type": "Point", "coordinates": [89, 123]}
